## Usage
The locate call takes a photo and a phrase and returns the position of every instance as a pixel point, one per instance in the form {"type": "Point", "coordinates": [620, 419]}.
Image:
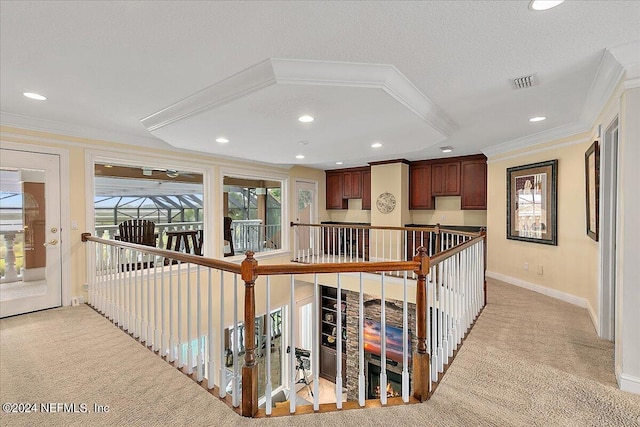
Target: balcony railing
{"type": "Point", "coordinates": [169, 301]}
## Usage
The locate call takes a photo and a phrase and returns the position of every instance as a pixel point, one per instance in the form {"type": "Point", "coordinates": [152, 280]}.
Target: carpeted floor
{"type": "Point", "coordinates": [530, 360]}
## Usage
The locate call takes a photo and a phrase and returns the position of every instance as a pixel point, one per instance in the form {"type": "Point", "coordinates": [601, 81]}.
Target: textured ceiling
{"type": "Point", "coordinates": [106, 65]}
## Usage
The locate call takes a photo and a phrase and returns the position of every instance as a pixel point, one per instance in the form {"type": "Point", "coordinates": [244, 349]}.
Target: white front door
{"type": "Point", "coordinates": [30, 255]}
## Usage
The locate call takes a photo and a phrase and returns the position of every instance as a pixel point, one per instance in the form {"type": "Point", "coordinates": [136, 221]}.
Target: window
{"type": "Point", "coordinates": [254, 207]}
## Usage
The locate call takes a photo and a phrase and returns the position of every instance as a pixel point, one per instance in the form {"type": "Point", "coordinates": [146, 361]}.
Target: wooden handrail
{"type": "Point", "coordinates": [441, 256]}
{"type": "Point", "coordinates": [178, 256]}
{"type": "Point", "coordinates": [342, 267]}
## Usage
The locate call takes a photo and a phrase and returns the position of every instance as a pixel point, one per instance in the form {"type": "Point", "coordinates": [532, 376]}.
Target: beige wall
{"type": "Point", "coordinates": [571, 267]}
{"type": "Point", "coordinates": [448, 212]}
{"type": "Point", "coordinates": [77, 149]}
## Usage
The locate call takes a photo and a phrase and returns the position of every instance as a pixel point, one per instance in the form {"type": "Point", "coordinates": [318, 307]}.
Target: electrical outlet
{"type": "Point", "coordinates": [539, 270]}
{"type": "Point", "coordinates": [526, 266]}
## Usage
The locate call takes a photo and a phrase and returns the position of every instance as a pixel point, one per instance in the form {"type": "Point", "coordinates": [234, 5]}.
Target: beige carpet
{"type": "Point", "coordinates": [530, 360]}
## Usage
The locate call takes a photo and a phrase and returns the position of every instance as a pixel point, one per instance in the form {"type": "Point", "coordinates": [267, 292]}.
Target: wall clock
{"type": "Point", "coordinates": [386, 203]}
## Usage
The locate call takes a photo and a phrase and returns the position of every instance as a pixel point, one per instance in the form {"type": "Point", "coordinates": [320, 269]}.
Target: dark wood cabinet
{"type": "Point", "coordinates": [352, 185]}
{"type": "Point", "coordinates": [474, 184]}
{"type": "Point", "coordinates": [345, 184]}
{"type": "Point", "coordinates": [420, 196]}
{"type": "Point", "coordinates": [366, 190]}
{"type": "Point", "coordinates": [334, 184]}
{"type": "Point", "coordinates": [464, 176]}
{"type": "Point", "coordinates": [329, 335]}
{"type": "Point", "coordinates": [445, 179]}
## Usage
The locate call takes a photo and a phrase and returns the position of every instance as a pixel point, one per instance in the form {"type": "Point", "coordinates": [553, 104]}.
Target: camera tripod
{"type": "Point", "coordinates": [302, 369]}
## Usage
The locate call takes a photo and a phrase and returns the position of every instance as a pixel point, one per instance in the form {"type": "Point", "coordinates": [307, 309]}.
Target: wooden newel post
{"type": "Point", "coordinates": [438, 238]}
{"type": "Point", "coordinates": [421, 373]}
{"type": "Point", "coordinates": [249, 369]}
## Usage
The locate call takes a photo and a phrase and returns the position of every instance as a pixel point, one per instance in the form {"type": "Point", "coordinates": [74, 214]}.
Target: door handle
{"type": "Point", "coordinates": [51, 242]}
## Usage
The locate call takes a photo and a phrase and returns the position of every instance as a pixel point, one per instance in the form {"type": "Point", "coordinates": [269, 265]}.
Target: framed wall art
{"type": "Point", "coordinates": [532, 192]}
{"type": "Point", "coordinates": [592, 179]}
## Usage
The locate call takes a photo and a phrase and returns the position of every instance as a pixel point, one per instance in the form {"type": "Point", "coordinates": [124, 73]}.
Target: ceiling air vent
{"type": "Point", "coordinates": [525, 81]}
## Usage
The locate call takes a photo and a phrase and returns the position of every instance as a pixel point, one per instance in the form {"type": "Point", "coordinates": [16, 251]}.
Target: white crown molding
{"type": "Point", "coordinates": [559, 132]}
{"type": "Point", "coordinates": [541, 149]}
{"type": "Point", "coordinates": [124, 143]}
{"type": "Point", "coordinates": [632, 83]}
{"type": "Point", "coordinates": [611, 71]}
{"type": "Point", "coordinates": [628, 55]}
{"type": "Point", "coordinates": [275, 71]}
{"type": "Point", "coordinates": [78, 131]}
{"type": "Point", "coordinates": [607, 78]}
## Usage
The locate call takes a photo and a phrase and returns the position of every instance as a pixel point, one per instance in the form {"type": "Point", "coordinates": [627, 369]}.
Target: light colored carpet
{"type": "Point", "coordinates": [530, 360]}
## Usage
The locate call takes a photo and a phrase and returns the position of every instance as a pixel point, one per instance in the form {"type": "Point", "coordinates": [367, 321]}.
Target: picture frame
{"type": "Point", "coordinates": [592, 181]}
{"type": "Point", "coordinates": [532, 203]}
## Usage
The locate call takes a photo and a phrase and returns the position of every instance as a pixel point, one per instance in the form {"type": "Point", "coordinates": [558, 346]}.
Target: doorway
{"type": "Point", "coordinates": [30, 241]}
{"type": "Point", "coordinates": [306, 213]}
{"type": "Point", "coordinates": [608, 230]}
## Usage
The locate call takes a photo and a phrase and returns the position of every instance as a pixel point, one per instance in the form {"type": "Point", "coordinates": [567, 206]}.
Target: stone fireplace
{"type": "Point", "coordinates": [372, 368]}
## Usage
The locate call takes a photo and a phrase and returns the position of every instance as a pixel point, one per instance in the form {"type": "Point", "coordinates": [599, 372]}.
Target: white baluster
{"type": "Point", "coordinates": [361, 378]}
{"type": "Point", "coordinates": [339, 345]}
{"type": "Point", "coordinates": [405, 341]}
{"type": "Point", "coordinates": [199, 372]}
{"type": "Point", "coordinates": [180, 357]}
{"type": "Point", "coordinates": [223, 371]}
{"type": "Point", "coordinates": [268, 388]}
{"type": "Point", "coordinates": [211, 370]}
{"type": "Point", "coordinates": [189, 325]}
{"type": "Point", "coordinates": [292, 347]}
{"type": "Point", "coordinates": [383, 345]}
{"type": "Point", "coordinates": [316, 340]}
{"type": "Point", "coordinates": [235, 397]}
{"type": "Point", "coordinates": [172, 342]}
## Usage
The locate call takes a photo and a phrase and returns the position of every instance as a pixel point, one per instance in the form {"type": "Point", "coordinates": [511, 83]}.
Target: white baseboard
{"type": "Point", "coordinates": [594, 318]}
{"type": "Point", "coordinates": [629, 383]}
{"type": "Point", "coordinates": [562, 296]}
{"type": "Point", "coordinates": [553, 293]}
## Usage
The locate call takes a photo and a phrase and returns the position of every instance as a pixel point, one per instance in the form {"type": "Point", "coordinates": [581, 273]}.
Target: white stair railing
{"type": "Point", "coordinates": [180, 310]}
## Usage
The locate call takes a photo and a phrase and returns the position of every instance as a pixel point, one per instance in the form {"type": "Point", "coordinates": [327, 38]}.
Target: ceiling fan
{"type": "Point", "coordinates": [171, 173]}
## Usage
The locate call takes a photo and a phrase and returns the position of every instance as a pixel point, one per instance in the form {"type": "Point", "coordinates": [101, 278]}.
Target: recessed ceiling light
{"type": "Point", "coordinates": [35, 96]}
{"type": "Point", "coordinates": [339, 163]}
{"type": "Point", "coordinates": [537, 119]}
{"type": "Point", "coordinates": [222, 140]}
{"type": "Point", "coordinates": [446, 149]}
{"type": "Point", "coordinates": [299, 156]}
{"type": "Point", "coordinates": [539, 5]}
{"type": "Point", "coordinates": [376, 145]}
{"type": "Point", "coordinates": [306, 119]}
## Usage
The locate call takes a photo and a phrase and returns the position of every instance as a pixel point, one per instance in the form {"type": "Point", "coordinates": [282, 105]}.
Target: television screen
{"type": "Point", "coordinates": [394, 340]}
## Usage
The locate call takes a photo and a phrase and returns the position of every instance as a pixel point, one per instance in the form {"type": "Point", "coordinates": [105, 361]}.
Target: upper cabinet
{"type": "Point", "coordinates": [455, 176]}
{"type": "Point", "coordinates": [445, 179]}
{"type": "Point", "coordinates": [352, 184]}
{"type": "Point", "coordinates": [345, 184]}
{"type": "Point", "coordinates": [366, 190]}
{"type": "Point", "coordinates": [474, 184]}
{"type": "Point", "coordinates": [420, 196]}
{"type": "Point", "coordinates": [334, 191]}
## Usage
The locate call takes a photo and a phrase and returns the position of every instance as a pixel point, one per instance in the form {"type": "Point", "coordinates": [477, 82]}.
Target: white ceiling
{"type": "Point", "coordinates": [104, 66]}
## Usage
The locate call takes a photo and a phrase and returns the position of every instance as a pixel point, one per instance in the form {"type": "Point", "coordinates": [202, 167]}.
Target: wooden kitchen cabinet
{"type": "Point", "coordinates": [334, 197]}
{"type": "Point", "coordinates": [474, 184]}
{"type": "Point", "coordinates": [345, 184]}
{"type": "Point", "coordinates": [445, 179]}
{"type": "Point", "coordinates": [366, 189]}
{"type": "Point", "coordinates": [352, 184]}
{"type": "Point", "coordinates": [420, 196]}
